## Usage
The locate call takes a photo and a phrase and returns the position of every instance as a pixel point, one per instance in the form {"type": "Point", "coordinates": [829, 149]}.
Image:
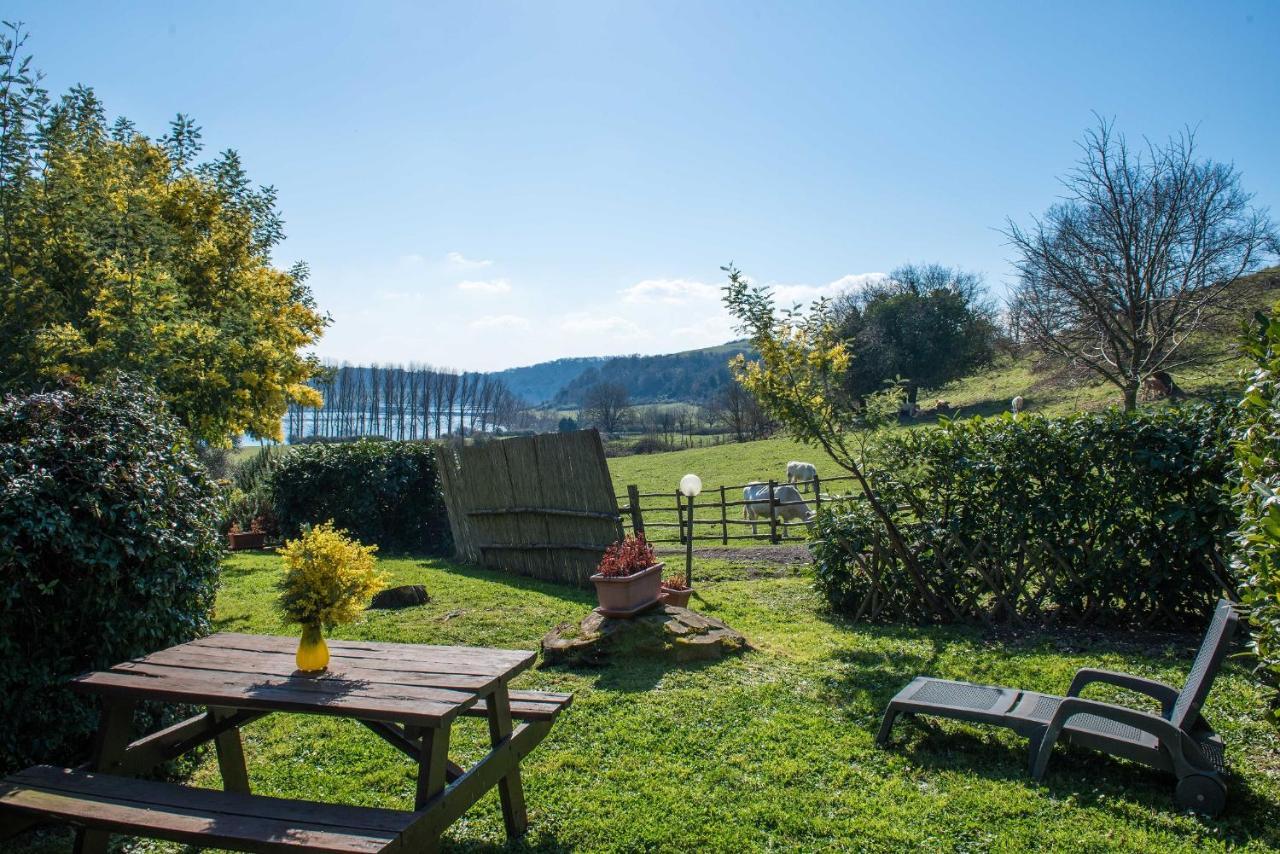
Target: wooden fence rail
{"type": "Point", "coordinates": [644, 512]}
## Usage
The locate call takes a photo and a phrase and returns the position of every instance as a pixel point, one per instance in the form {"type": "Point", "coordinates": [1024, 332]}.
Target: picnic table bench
{"type": "Point", "coordinates": [408, 694]}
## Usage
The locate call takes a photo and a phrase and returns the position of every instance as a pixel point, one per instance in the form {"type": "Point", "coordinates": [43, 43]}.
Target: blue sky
{"type": "Point", "coordinates": [491, 184]}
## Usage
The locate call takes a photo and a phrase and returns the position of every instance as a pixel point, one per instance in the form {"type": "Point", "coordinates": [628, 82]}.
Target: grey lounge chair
{"type": "Point", "coordinates": [1178, 740]}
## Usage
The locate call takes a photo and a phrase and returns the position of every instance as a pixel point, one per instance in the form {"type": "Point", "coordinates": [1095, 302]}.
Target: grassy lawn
{"type": "Point", "coordinates": [771, 750]}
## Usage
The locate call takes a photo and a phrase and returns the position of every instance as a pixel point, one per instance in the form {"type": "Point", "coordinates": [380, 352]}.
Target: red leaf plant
{"type": "Point", "coordinates": [628, 556]}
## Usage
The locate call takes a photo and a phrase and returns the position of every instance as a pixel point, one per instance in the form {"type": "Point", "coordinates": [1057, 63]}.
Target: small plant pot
{"type": "Point", "coordinates": [623, 596]}
{"type": "Point", "coordinates": [246, 540]}
{"type": "Point", "coordinates": [672, 596]}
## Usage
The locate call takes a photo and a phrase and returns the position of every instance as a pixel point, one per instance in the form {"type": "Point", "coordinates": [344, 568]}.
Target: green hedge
{"type": "Point", "coordinates": [1257, 560]}
{"type": "Point", "coordinates": [381, 491]}
{"type": "Point", "coordinates": [108, 550]}
{"type": "Point", "coordinates": [1102, 518]}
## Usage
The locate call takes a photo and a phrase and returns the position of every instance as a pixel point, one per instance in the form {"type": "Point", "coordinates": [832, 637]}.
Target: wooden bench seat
{"type": "Point", "coordinates": [529, 706]}
{"type": "Point", "coordinates": [202, 817]}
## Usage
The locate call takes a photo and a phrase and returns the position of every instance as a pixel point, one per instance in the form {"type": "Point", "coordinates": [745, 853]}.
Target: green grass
{"type": "Point", "coordinates": [772, 750]}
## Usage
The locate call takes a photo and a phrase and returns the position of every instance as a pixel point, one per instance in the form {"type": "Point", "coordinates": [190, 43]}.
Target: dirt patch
{"type": "Point", "coordinates": [755, 561]}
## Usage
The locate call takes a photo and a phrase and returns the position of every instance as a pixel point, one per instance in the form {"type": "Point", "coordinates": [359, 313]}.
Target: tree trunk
{"type": "Point", "coordinates": [1131, 396]}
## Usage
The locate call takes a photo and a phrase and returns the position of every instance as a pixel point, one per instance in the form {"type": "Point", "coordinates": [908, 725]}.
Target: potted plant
{"type": "Point", "coordinates": [675, 591]}
{"type": "Point", "coordinates": [329, 578]}
{"type": "Point", "coordinates": [254, 538]}
{"type": "Point", "coordinates": [628, 578]}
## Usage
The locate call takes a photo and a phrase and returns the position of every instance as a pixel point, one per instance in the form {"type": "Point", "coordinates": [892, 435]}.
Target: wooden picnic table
{"type": "Point", "coordinates": [408, 694]}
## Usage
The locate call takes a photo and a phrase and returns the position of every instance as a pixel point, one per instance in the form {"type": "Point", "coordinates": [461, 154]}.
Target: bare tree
{"type": "Point", "coordinates": [1142, 252]}
{"type": "Point", "coordinates": [604, 405]}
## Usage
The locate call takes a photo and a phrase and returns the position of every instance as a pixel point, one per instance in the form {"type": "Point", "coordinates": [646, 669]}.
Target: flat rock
{"type": "Point", "coordinates": [405, 596]}
{"type": "Point", "coordinates": [664, 631]}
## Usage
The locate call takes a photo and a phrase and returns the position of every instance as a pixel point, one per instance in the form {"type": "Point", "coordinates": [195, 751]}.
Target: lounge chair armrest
{"type": "Point", "coordinates": [1167, 695]}
{"type": "Point", "coordinates": [1168, 734]}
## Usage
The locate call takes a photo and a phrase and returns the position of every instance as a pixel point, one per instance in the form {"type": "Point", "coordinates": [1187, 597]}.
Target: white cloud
{"type": "Point", "coordinates": [487, 287]}
{"type": "Point", "coordinates": [500, 321]}
{"type": "Point", "coordinates": [788, 295]}
{"type": "Point", "coordinates": [669, 292]}
{"type": "Point", "coordinates": [585, 323]}
{"type": "Point", "coordinates": [457, 259]}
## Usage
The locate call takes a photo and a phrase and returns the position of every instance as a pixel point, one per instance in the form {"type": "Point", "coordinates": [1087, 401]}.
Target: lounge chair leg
{"type": "Point", "coordinates": [1041, 751]}
{"type": "Point", "coordinates": [886, 726]}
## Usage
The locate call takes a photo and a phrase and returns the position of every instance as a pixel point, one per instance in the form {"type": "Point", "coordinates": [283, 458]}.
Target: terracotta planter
{"type": "Point", "coordinates": [629, 594]}
{"type": "Point", "coordinates": [671, 596]}
{"type": "Point", "coordinates": [246, 540]}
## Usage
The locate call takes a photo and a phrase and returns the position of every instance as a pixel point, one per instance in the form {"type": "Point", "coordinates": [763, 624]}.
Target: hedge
{"type": "Point", "coordinates": [1097, 518]}
{"type": "Point", "coordinates": [381, 491]}
{"type": "Point", "coordinates": [1257, 450]}
{"type": "Point", "coordinates": [108, 550]}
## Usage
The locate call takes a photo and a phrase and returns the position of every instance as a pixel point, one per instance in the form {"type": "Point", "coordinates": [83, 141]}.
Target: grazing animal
{"type": "Point", "coordinates": [1016, 404]}
{"type": "Point", "coordinates": [1161, 385]}
{"type": "Point", "coordinates": [790, 507]}
{"type": "Point", "coordinates": [800, 472]}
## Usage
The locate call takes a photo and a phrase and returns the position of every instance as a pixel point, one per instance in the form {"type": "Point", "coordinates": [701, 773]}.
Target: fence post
{"type": "Point", "coordinates": [680, 515]}
{"type": "Point", "coordinates": [817, 492]}
{"type": "Point", "coordinates": [724, 520]}
{"type": "Point", "coordinates": [637, 516]}
{"type": "Point", "coordinates": [773, 513]}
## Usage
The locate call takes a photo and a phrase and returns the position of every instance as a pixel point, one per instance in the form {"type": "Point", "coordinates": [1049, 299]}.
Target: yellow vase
{"type": "Point", "coordinates": [313, 653]}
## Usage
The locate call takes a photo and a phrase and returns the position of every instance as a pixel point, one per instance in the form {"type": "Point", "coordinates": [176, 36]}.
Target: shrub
{"type": "Point", "coordinates": [247, 502]}
{"type": "Point", "coordinates": [1257, 453]}
{"type": "Point", "coordinates": [108, 550]}
{"type": "Point", "coordinates": [1094, 518]}
{"type": "Point", "coordinates": [652, 445]}
{"type": "Point", "coordinates": [382, 492]}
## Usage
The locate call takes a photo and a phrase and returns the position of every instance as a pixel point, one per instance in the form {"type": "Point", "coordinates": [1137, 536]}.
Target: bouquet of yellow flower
{"type": "Point", "coordinates": [329, 577]}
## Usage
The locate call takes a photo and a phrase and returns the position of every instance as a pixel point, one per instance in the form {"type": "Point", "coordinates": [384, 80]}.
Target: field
{"type": "Point", "coordinates": [770, 751]}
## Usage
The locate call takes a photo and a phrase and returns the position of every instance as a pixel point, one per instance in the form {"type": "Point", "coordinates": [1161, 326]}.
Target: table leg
{"type": "Point", "coordinates": [109, 746]}
{"type": "Point", "coordinates": [235, 776]}
{"type": "Point", "coordinates": [433, 763]}
{"type": "Point", "coordinates": [510, 788]}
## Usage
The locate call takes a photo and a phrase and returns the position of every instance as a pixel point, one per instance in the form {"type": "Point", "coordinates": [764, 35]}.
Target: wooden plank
{"type": "Point", "coordinates": [510, 787]}
{"type": "Point", "coordinates": [144, 754]}
{"type": "Point", "coordinates": [773, 512]}
{"type": "Point", "coordinates": [545, 511]}
{"type": "Point", "coordinates": [445, 808]}
{"type": "Point", "coordinates": [724, 522]}
{"type": "Point", "coordinates": [203, 817]}
{"type": "Point", "coordinates": [529, 705]}
{"type": "Point", "coordinates": [235, 776]}
{"type": "Point", "coordinates": [322, 686]}
{"type": "Point", "coordinates": [433, 763]}
{"type": "Point", "coordinates": [424, 654]}
{"type": "Point", "coordinates": [110, 743]}
{"type": "Point", "coordinates": [427, 706]}
{"type": "Point", "coordinates": [533, 547]}
{"type": "Point", "coordinates": [350, 669]}
{"type": "Point", "coordinates": [637, 514]}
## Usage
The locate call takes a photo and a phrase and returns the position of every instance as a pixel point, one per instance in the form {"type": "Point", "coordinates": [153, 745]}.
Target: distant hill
{"type": "Point", "coordinates": [540, 383]}
{"type": "Point", "coordinates": [689, 376]}
{"type": "Point", "coordinates": [693, 376]}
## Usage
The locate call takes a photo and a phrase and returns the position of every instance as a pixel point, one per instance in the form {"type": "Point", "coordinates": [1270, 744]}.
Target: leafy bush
{"type": "Point", "coordinates": [382, 492]}
{"type": "Point", "coordinates": [247, 497]}
{"type": "Point", "coordinates": [1257, 451]}
{"type": "Point", "coordinates": [652, 445]}
{"type": "Point", "coordinates": [1094, 518]}
{"type": "Point", "coordinates": [108, 550]}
